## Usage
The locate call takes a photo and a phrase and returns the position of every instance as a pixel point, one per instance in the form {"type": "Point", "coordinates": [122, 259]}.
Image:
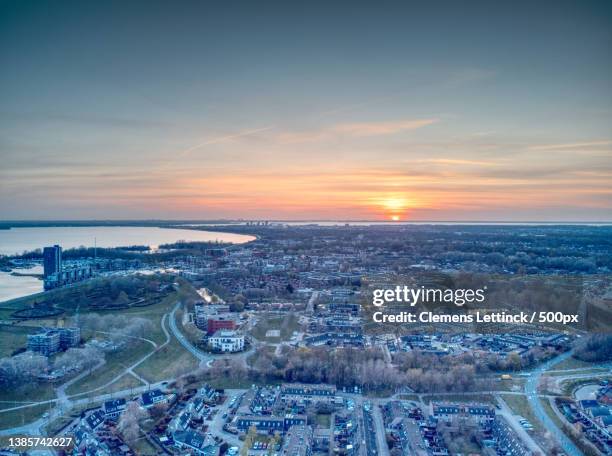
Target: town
{"type": "Point", "coordinates": [269, 347]}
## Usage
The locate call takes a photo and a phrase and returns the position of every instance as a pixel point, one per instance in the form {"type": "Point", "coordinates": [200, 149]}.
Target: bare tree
{"type": "Point", "coordinates": [130, 422]}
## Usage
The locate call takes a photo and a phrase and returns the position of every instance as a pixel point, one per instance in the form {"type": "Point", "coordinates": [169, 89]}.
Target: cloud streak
{"type": "Point", "coordinates": [572, 146]}
{"type": "Point", "coordinates": [355, 130]}
{"type": "Point", "coordinates": [222, 139]}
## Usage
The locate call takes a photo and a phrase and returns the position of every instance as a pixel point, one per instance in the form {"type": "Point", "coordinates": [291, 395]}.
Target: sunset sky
{"type": "Point", "coordinates": [304, 110]}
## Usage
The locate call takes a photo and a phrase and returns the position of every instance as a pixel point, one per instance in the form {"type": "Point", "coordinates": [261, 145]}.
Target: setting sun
{"type": "Point", "coordinates": [395, 218]}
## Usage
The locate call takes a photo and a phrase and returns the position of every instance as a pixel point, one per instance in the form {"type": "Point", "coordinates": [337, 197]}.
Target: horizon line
{"type": "Point", "coordinates": [242, 220]}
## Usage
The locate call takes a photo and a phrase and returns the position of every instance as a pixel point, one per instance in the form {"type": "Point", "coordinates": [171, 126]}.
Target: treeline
{"type": "Point", "coordinates": [25, 368]}
{"type": "Point", "coordinates": [367, 369]}
{"type": "Point", "coordinates": [194, 245]}
{"type": "Point", "coordinates": [595, 348]}
{"type": "Point", "coordinates": [132, 252]}
{"type": "Point", "coordinates": [364, 368]}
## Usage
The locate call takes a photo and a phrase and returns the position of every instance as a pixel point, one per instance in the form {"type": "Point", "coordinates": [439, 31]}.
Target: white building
{"type": "Point", "coordinates": [226, 340]}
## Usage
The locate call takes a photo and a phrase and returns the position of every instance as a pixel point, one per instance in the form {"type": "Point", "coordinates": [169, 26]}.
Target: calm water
{"type": "Point", "coordinates": [12, 287]}
{"type": "Point", "coordinates": [19, 240]}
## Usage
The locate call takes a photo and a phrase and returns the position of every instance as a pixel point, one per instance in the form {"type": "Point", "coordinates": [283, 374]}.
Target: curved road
{"type": "Point", "coordinates": [204, 358]}
{"type": "Point", "coordinates": [531, 391]}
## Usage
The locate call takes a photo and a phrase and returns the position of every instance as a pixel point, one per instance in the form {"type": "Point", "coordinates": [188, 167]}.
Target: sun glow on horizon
{"type": "Point", "coordinates": [395, 203]}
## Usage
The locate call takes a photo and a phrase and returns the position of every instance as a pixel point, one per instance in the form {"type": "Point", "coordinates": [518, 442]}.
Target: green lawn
{"type": "Point", "coordinates": [548, 408]}
{"type": "Point", "coordinates": [31, 392]}
{"type": "Point", "coordinates": [323, 420]}
{"type": "Point", "coordinates": [22, 416]}
{"type": "Point", "coordinates": [167, 362]}
{"type": "Point", "coordinates": [125, 382]}
{"type": "Point", "coordinates": [286, 324]}
{"type": "Point", "coordinates": [594, 370]}
{"type": "Point", "coordinates": [116, 363]}
{"type": "Point", "coordinates": [13, 337]}
{"type": "Point", "coordinates": [513, 384]}
{"type": "Point", "coordinates": [409, 397]}
{"type": "Point", "coordinates": [232, 382]}
{"type": "Point", "coordinates": [572, 363]}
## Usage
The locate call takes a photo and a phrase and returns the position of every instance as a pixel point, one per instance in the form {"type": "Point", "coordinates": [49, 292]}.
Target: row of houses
{"type": "Point", "coordinates": [416, 430]}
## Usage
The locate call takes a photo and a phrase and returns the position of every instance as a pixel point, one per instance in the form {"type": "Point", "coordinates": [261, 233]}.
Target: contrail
{"type": "Point", "coordinates": [222, 139]}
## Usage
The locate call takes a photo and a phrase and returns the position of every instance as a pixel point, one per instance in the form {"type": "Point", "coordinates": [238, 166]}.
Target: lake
{"type": "Point", "coordinates": [18, 240]}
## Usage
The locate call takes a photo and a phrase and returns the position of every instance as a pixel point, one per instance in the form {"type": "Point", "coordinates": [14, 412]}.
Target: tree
{"type": "Point", "coordinates": [595, 348]}
{"type": "Point", "coordinates": [130, 422]}
{"type": "Point", "coordinates": [248, 441]}
{"type": "Point", "coordinates": [275, 440]}
{"type": "Point", "coordinates": [514, 361]}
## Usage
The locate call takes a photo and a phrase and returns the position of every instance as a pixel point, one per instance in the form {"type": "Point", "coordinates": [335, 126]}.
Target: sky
{"type": "Point", "coordinates": [306, 110]}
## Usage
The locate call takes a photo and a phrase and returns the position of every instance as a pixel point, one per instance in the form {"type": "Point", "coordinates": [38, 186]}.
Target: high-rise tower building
{"type": "Point", "coordinates": [52, 260]}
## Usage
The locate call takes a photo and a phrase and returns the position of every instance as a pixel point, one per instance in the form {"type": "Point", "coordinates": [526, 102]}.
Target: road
{"type": "Point", "coordinates": [204, 358]}
{"type": "Point", "coordinates": [369, 431]}
{"type": "Point", "coordinates": [379, 428]}
{"type": "Point", "coordinates": [531, 391]}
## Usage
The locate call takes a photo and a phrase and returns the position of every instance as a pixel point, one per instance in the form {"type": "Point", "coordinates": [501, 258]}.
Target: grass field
{"type": "Point", "coordinates": [286, 324]}
{"type": "Point", "coordinates": [116, 363]}
{"type": "Point", "coordinates": [594, 370]}
{"type": "Point", "coordinates": [323, 420]}
{"type": "Point", "coordinates": [32, 392]}
{"type": "Point", "coordinates": [167, 362]}
{"type": "Point", "coordinates": [23, 416]}
{"type": "Point", "coordinates": [13, 337]}
{"type": "Point", "coordinates": [409, 397]}
{"type": "Point", "coordinates": [126, 381]}
{"type": "Point", "coordinates": [548, 408]}
{"type": "Point", "coordinates": [573, 363]}
{"type": "Point", "coordinates": [513, 384]}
